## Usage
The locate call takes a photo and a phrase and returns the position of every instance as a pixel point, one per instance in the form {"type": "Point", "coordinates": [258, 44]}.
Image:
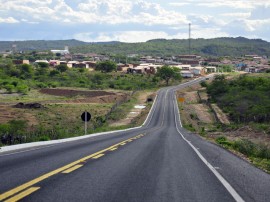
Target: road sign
{"type": "Point", "coordinates": [86, 116]}
{"type": "Point", "coordinates": [181, 99]}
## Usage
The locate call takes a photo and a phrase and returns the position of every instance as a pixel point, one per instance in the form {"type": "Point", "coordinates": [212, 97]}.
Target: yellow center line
{"type": "Point", "coordinates": [98, 156]}
{"type": "Point", "coordinates": [72, 169]}
{"type": "Point", "coordinates": [113, 149]}
{"type": "Point", "coordinates": [54, 172]}
{"type": "Point", "coordinates": [23, 194]}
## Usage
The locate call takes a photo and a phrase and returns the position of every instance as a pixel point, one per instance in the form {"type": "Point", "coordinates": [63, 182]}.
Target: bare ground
{"type": "Point", "coordinates": [136, 113]}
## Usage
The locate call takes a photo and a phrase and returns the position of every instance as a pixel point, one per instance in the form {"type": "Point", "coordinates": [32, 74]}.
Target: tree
{"type": "Point", "coordinates": [43, 64]}
{"type": "Point", "coordinates": [62, 68]}
{"type": "Point", "coordinates": [167, 73]}
{"type": "Point", "coordinates": [106, 66]}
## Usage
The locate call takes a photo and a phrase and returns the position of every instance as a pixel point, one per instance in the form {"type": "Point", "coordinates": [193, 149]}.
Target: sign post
{"type": "Point", "coordinates": [181, 99]}
{"type": "Point", "coordinates": [86, 116]}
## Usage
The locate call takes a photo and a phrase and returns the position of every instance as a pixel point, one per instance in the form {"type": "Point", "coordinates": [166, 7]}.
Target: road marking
{"type": "Point", "coordinates": [123, 144]}
{"type": "Point", "coordinates": [54, 172]}
{"type": "Point", "coordinates": [163, 117]}
{"type": "Point", "coordinates": [72, 169]}
{"type": "Point", "coordinates": [19, 152]}
{"type": "Point", "coordinates": [113, 149]}
{"type": "Point", "coordinates": [151, 112]}
{"type": "Point", "coordinates": [23, 194]}
{"type": "Point", "coordinates": [98, 156]}
{"type": "Point", "coordinates": [223, 181]}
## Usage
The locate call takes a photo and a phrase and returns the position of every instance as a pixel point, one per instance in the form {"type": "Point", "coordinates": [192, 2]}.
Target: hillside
{"type": "Point", "coordinates": [39, 44]}
{"type": "Point", "coordinates": [159, 47]}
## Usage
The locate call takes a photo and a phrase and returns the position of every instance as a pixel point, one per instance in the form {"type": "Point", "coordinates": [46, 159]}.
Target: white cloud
{"type": "Point", "coordinates": [163, 19]}
{"type": "Point", "coordinates": [237, 15]}
{"type": "Point", "coordinates": [95, 11]}
{"type": "Point", "coordinates": [8, 20]}
{"type": "Point", "coordinates": [142, 36]}
{"type": "Point", "coordinates": [179, 4]}
{"type": "Point", "coordinates": [236, 4]}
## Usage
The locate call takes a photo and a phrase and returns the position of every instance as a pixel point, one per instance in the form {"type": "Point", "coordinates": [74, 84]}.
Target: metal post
{"type": "Point", "coordinates": [85, 122]}
{"type": "Point", "coordinates": [189, 38]}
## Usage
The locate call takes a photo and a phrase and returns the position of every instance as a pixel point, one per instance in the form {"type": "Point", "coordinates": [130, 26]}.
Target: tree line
{"type": "Point", "coordinates": [246, 99]}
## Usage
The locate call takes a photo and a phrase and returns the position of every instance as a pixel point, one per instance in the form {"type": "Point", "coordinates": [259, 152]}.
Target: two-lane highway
{"type": "Point", "coordinates": [160, 161]}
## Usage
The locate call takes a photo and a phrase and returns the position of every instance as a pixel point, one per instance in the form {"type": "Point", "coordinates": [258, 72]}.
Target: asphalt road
{"type": "Point", "coordinates": [160, 161]}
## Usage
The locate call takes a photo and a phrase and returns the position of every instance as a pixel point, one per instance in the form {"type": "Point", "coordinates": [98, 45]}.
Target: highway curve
{"type": "Point", "coordinates": [160, 161]}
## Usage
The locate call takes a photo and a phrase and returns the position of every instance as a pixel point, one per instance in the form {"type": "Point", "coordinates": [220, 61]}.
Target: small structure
{"type": "Point", "coordinates": [197, 70]}
{"type": "Point", "coordinates": [41, 61]}
{"type": "Point", "coordinates": [187, 74]}
{"type": "Point", "coordinates": [62, 52]}
{"type": "Point", "coordinates": [20, 62]}
{"type": "Point", "coordinates": [211, 69]}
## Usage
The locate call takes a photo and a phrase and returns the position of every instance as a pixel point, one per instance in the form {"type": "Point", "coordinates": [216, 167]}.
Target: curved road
{"type": "Point", "coordinates": [160, 161]}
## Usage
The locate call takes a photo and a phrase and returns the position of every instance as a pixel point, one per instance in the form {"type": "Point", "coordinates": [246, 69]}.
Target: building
{"type": "Point", "coordinates": [197, 70]}
{"type": "Point", "coordinates": [183, 67]}
{"type": "Point", "coordinates": [62, 52]}
{"type": "Point", "coordinates": [187, 74]}
{"type": "Point", "coordinates": [211, 69]}
{"type": "Point", "coordinates": [41, 61]}
{"type": "Point", "coordinates": [20, 62]}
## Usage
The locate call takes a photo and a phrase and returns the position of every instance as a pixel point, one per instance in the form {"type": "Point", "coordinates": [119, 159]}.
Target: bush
{"type": "Point", "coordinates": [245, 147]}
{"type": "Point", "coordinates": [44, 138]}
{"type": "Point", "coordinates": [262, 151]}
{"type": "Point", "coordinates": [9, 88]}
{"type": "Point", "coordinates": [41, 85]}
{"type": "Point", "coordinates": [223, 141]}
{"type": "Point", "coordinates": [22, 89]}
{"type": "Point", "coordinates": [203, 84]}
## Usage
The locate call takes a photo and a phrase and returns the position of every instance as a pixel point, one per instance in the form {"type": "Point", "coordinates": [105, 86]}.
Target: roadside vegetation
{"type": "Point", "coordinates": [232, 111]}
{"type": "Point", "coordinates": [59, 114]}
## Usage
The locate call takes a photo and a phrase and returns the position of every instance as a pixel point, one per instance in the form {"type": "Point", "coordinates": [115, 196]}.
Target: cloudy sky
{"type": "Point", "coordinates": [132, 21]}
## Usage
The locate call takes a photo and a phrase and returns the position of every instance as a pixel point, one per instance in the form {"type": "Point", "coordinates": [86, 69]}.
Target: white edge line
{"type": "Point", "coordinates": [50, 142]}
{"type": "Point", "coordinates": [150, 112]}
{"type": "Point", "coordinates": [224, 182]}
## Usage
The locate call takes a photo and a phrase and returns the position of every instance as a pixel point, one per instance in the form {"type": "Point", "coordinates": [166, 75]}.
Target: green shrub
{"type": "Point", "coordinates": [41, 85]}
{"type": "Point", "coordinates": [203, 84]}
{"type": "Point", "coordinates": [262, 151]}
{"type": "Point", "coordinates": [22, 89]}
{"type": "Point", "coordinates": [9, 88]}
{"type": "Point", "coordinates": [245, 147]}
{"type": "Point", "coordinates": [44, 138]}
{"type": "Point", "coordinates": [223, 141]}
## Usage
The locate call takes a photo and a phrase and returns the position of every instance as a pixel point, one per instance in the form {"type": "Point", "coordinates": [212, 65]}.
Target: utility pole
{"type": "Point", "coordinates": [189, 38]}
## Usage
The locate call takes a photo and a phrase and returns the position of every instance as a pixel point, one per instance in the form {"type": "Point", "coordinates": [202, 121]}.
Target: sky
{"type": "Point", "coordinates": [132, 21]}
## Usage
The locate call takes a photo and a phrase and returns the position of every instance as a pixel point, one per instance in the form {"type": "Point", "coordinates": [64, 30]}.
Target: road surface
{"type": "Point", "coordinates": [160, 161]}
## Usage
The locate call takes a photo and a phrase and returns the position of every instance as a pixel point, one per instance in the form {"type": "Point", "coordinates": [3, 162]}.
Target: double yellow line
{"type": "Point", "coordinates": [65, 169]}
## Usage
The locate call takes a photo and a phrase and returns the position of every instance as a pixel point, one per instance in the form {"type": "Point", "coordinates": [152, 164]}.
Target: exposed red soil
{"type": "Point", "coordinates": [71, 93]}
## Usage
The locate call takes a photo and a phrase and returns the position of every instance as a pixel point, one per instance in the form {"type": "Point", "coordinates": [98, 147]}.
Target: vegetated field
{"type": "Point", "coordinates": [249, 139]}
{"type": "Point", "coordinates": [60, 114]}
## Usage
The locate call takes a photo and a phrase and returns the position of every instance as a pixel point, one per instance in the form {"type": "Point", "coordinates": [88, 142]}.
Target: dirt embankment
{"type": "Point", "coordinates": [198, 115]}
{"type": "Point", "coordinates": [85, 96]}
{"type": "Point", "coordinates": [73, 93]}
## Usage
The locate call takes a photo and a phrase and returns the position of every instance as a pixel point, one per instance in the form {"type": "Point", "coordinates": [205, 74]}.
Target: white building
{"type": "Point", "coordinates": [187, 74]}
{"type": "Point", "coordinates": [62, 52]}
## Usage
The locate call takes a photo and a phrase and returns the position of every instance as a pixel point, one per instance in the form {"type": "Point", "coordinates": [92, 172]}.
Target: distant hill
{"type": "Point", "coordinates": [159, 47]}
{"type": "Point", "coordinates": [40, 45]}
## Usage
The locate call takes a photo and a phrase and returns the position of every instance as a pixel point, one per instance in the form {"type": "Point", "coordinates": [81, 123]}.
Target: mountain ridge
{"type": "Point", "coordinates": [223, 46]}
